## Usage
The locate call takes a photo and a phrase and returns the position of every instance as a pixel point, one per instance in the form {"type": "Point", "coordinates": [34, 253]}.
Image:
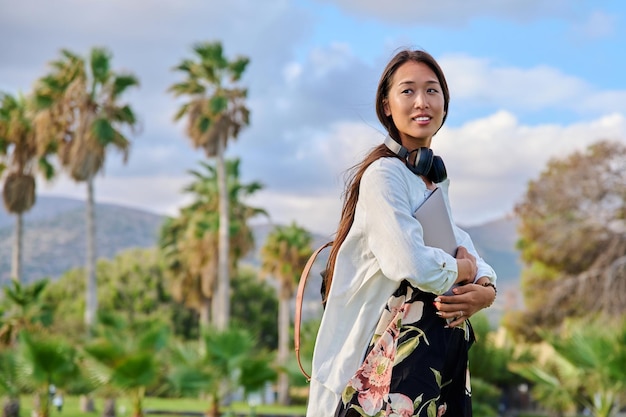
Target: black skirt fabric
{"type": "Point", "coordinates": [414, 365]}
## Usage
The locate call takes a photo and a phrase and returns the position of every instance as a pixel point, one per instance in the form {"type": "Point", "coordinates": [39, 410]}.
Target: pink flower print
{"type": "Point", "coordinates": [442, 410]}
{"type": "Point", "coordinates": [399, 406]}
{"type": "Point", "coordinates": [372, 379]}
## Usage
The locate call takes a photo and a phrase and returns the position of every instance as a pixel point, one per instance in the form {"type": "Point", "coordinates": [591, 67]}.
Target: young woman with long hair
{"type": "Point", "coordinates": [394, 336]}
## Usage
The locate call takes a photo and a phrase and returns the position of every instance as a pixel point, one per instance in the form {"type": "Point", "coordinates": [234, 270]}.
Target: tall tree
{"type": "Point", "coordinates": [190, 242]}
{"type": "Point", "coordinates": [284, 255]}
{"type": "Point", "coordinates": [216, 112]}
{"type": "Point", "coordinates": [573, 237]}
{"type": "Point", "coordinates": [80, 113]}
{"type": "Point", "coordinates": [23, 156]}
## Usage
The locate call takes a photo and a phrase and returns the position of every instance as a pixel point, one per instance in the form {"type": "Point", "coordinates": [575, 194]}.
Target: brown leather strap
{"type": "Point", "coordinates": [299, 300]}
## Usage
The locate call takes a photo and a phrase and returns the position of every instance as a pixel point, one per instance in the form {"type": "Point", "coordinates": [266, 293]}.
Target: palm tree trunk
{"type": "Point", "coordinates": [283, 350]}
{"type": "Point", "coordinates": [11, 407]}
{"type": "Point", "coordinates": [108, 409]}
{"type": "Point", "coordinates": [222, 300]}
{"type": "Point", "coordinates": [16, 264]}
{"type": "Point", "coordinates": [91, 297]}
{"type": "Point", "coordinates": [205, 313]}
{"type": "Point", "coordinates": [87, 404]}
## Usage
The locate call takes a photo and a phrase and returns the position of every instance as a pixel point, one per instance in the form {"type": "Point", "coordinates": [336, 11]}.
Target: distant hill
{"type": "Point", "coordinates": [54, 240]}
{"type": "Point", "coordinates": [495, 241]}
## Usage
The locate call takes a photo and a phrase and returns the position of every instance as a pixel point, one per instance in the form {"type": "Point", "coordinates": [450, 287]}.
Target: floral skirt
{"type": "Point", "coordinates": [414, 365]}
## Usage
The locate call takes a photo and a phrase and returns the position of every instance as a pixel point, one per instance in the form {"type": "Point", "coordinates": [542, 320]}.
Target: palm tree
{"type": "Point", "coordinates": [22, 310]}
{"type": "Point", "coordinates": [25, 310]}
{"type": "Point", "coordinates": [81, 114]}
{"type": "Point", "coordinates": [17, 138]}
{"type": "Point", "coordinates": [190, 242]}
{"type": "Point", "coordinates": [9, 385]}
{"type": "Point", "coordinates": [219, 364]}
{"type": "Point", "coordinates": [126, 360]}
{"type": "Point", "coordinates": [216, 113]}
{"type": "Point", "coordinates": [283, 257]}
{"type": "Point", "coordinates": [42, 360]}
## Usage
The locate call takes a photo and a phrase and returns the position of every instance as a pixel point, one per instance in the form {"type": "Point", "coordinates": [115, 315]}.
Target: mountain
{"type": "Point", "coordinates": [54, 240]}
{"type": "Point", "coordinates": [495, 241]}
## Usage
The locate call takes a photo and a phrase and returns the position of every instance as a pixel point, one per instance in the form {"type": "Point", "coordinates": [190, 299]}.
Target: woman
{"type": "Point", "coordinates": [390, 342]}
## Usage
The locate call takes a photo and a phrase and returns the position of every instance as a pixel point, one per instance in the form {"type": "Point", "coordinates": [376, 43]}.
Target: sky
{"type": "Point", "coordinates": [530, 80]}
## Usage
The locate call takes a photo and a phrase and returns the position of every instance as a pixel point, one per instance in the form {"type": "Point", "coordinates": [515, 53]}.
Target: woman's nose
{"type": "Point", "coordinates": [421, 101]}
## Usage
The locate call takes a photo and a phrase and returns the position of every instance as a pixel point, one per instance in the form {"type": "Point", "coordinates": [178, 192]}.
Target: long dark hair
{"type": "Point", "coordinates": [351, 193]}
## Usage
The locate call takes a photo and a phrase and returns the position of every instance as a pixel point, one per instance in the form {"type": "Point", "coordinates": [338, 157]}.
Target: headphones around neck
{"type": "Point", "coordinates": [426, 163]}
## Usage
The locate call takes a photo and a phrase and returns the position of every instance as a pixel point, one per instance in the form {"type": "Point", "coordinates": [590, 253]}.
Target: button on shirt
{"type": "Point", "coordinates": [385, 245]}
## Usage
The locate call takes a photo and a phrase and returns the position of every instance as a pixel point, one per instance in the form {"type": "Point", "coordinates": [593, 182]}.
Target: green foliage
{"type": "Point", "coordinates": [255, 307]}
{"type": "Point", "coordinates": [218, 364]}
{"type": "Point", "coordinates": [9, 385]}
{"type": "Point", "coordinates": [126, 358]}
{"type": "Point", "coordinates": [45, 359]}
{"type": "Point", "coordinates": [489, 357]}
{"type": "Point", "coordinates": [23, 307]}
{"type": "Point", "coordinates": [584, 365]}
{"type": "Point", "coordinates": [485, 398]}
{"type": "Point", "coordinates": [133, 285]}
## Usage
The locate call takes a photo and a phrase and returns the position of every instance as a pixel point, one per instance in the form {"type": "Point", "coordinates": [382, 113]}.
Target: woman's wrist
{"type": "Point", "coordinates": [485, 282]}
{"type": "Point", "coordinates": [464, 269]}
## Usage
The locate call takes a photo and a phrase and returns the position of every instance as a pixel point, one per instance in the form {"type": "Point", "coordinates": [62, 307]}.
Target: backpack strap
{"type": "Point", "coordinates": [299, 301]}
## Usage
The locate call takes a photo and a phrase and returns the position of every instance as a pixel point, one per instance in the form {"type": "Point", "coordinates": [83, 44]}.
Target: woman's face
{"type": "Point", "coordinates": [415, 103]}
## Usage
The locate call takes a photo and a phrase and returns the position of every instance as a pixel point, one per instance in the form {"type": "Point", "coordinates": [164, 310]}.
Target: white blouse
{"type": "Point", "coordinates": [385, 245]}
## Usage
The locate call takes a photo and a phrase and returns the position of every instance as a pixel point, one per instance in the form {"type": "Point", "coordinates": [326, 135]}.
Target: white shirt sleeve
{"type": "Point", "coordinates": [395, 237]}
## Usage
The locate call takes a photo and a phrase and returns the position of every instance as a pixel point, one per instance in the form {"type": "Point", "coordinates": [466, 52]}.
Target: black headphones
{"type": "Point", "coordinates": [426, 163]}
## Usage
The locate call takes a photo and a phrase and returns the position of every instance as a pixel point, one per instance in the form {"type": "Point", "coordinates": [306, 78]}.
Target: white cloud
{"type": "Point", "coordinates": [598, 25]}
{"type": "Point", "coordinates": [491, 160]}
{"type": "Point", "coordinates": [477, 81]}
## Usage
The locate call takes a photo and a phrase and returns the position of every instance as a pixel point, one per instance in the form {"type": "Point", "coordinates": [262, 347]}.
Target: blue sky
{"type": "Point", "coordinates": [530, 80]}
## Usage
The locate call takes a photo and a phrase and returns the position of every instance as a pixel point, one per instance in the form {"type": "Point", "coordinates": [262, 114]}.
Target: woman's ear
{"type": "Point", "coordinates": [386, 108]}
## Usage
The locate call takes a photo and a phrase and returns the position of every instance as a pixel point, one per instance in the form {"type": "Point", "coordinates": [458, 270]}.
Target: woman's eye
{"type": "Point", "coordinates": [432, 91]}
{"type": "Point", "coordinates": [407, 91]}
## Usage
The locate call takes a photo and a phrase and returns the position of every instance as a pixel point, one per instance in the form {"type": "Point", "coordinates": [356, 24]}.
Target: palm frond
{"type": "Point", "coordinates": [103, 131]}
{"type": "Point", "coordinates": [122, 82]}
{"type": "Point", "coordinates": [100, 63]}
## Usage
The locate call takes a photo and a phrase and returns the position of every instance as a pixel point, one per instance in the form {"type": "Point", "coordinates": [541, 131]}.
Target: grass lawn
{"type": "Point", "coordinates": [71, 407]}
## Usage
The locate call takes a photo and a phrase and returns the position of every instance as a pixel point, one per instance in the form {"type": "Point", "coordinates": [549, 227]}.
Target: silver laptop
{"type": "Point", "coordinates": [435, 221]}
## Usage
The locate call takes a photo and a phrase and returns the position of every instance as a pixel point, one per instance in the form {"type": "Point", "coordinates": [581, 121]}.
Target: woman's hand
{"type": "Point", "coordinates": [466, 266]}
{"type": "Point", "coordinates": [467, 300]}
